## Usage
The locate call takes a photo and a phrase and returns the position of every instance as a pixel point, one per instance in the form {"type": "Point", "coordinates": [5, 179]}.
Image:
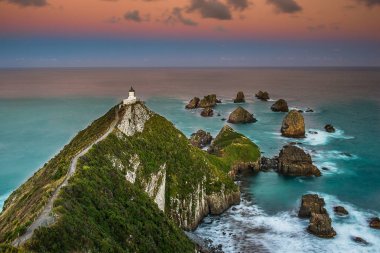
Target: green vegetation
{"type": "Point", "coordinates": [102, 212]}
{"type": "Point", "coordinates": [28, 200]}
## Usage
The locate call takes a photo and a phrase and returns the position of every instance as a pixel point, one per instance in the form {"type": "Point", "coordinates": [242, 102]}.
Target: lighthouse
{"type": "Point", "coordinates": [131, 97]}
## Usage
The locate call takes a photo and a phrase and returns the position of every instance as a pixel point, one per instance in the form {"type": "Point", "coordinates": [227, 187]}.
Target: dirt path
{"type": "Point", "coordinates": [46, 217]}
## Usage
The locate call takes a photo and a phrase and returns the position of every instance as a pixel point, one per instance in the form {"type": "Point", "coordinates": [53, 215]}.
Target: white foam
{"type": "Point", "coordinates": [323, 137]}
{"type": "Point", "coordinates": [248, 228]}
{"type": "Point", "coordinates": [2, 199]}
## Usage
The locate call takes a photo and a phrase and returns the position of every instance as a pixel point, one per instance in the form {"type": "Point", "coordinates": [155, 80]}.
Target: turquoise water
{"type": "Point", "coordinates": [41, 110]}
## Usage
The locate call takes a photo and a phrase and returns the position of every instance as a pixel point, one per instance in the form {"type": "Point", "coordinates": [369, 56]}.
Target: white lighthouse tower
{"type": "Point", "coordinates": [131, 97]}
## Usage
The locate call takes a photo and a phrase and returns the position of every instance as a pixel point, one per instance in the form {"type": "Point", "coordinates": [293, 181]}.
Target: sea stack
{"type": "Point", "coordinates": [294, 161]}
{"type": "Point", "coordinates": [193, 103]}
{"type": "Point", "coordinates": [239, 97]}
{"type": "Point", "coordinates": [262, 95]}
{"type": "Point", "coordinates": [293, 125]}
{"type": "Point", "coordinates": [207, 112]}
{"type": "Point", "coordinates": [280, 106]}
{"type": "Point", "coordinates": [241, 115]}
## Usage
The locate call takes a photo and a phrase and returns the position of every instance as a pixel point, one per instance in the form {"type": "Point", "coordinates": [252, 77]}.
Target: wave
{"type": "Point", "coordinates": [322, 137]}
{"type": "Point", "coordinates": [2, 200]}
{"type": "Point", "coordinates": [247, 228]}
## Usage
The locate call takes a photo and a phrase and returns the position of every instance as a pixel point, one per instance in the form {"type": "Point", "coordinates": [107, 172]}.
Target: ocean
{"type": "Point", "coordinates": [42, 109]}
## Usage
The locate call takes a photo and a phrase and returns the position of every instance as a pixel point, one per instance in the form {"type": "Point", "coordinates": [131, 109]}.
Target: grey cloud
{"type": "Point", "coordinates": [27, 3]}
{"type": "Point", "coordinates": [370, 3]}
{"type": "Point", "coordinates": [133, 16]}
{"type": "Point", "coordinates": [210, 9]}
{"type": "Point", "coordinates": [177, 17]}
{"type": "Point", "coordinates": [285, 6]}
{"type": "Point", "coordinates": [239, 4]}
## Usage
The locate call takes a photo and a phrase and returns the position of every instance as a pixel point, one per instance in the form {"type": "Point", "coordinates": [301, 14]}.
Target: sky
{"type": "Point", "coordinates": [189, 33]}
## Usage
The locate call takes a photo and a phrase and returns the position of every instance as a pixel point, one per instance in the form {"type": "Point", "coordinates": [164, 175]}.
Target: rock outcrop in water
{"type": "Point", "coordinates": [375, 223]}
{"type": "Point", "coordinates": [293, 161]}
{"type": "Point", "coordinates": [330, 128]}
{"type": "Point", "coordinates": [241, 115]}
{"type": "Point", "coordinates": [193, 103]}
{"type": "Point", "coordinates": [293, 125]}
{"type": "Point", "coordinates": [280, 106]}
{"type": "Point", "coordinates": [207, 112]}
{"type": "Point", "coordinates": [239, 97]}
{"type": "Point", "coordinates": [262, 95]}
{"type": "Point", "coordinates": [200, 139]}
{"type": "Point", "coordinates": [312, 207]}
{"type": "Point", "coordinates": [340, 210]}
{"type": "Point", "coordinates": [267, 164]}
{"type": "Point", "coordinates": [208, 101]}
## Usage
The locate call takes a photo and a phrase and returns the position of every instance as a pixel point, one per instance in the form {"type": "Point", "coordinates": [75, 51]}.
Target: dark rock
{"type": "Point", "coordinates": [375, 223]}
{"type": "Point", "coordinates": [340, 210]}
{"type": "Point", "coordinates": [311, 203]}
{"type": "Point", "coordinates": [293, 161]}
{"type": "Point", "coordinates": [240, 115]}
{"type": "Point", "coordinates": [309, 110]}
{"type": "Point", "coordinates": [234, 208]}
{"type": "Point", "coordinates": [313, 132]}
{"type": "Point", "coordinates": [239, 97]}
{"type": "Point", "coordinates": [280, 106]}
{"type": "Point", "coordinates": [359, 240]}
{"type": "Point", "coordinates": [330, 128]}
{"type": "Point", "coordinates": [262, 95]}
{"type": "Point", "coordinates": [267, 164]}
{"type": "Point", "coordinates": [293, 125]}
{"type": "Point", "coordinates": [325, 169]}
{"type": "Point", "coordinates": [200, 139]}
{"type": "Point", "coordinates": [208, 101]}
{"type": "Point", "coordinates": [320, 225]}
{"type": "Point", "coordinates": [223, 119]}
{"type": "Point", "coordinates": [300, 111]}
{"type": "Point", "coordinates": [240, 167]}
{"type": "Point", "coordinates": [218, 101]}
{"type": "Point", "coordinates": [218, 114]}
{"type": "Point", "coordinates": [346, 154]}
{"type": "Point", "coordinates": [193, 103]}
{"type": "Point", "coordinates": [207, 112]}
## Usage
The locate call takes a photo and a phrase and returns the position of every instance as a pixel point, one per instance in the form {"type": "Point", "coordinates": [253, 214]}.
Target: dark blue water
{"type": "Point", "coordinates": [41, 110]}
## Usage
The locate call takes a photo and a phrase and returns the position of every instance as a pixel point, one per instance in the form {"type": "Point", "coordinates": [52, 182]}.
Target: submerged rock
{"type": "Point", "coordinates": [309, 110]}
{"type": "Point", "coordinates": [241, 115]}
{"type": "Point", "coordinates": [293, 125]}
{"type": "Point", "coordinates": [359, 240]}
{"type": "Point", "coordinates": [201, 139]}
{"type": "Point", "coordinates": [375, 223]}
{"type": "Point", "coordinates": [193, 103]}
{"type": "Point", "coordinates": [311, 203]}
{"type": "Point", "coordinates": [262, 95]}
{"type": "Point", "coordinates": [208, 101]}
{"type": "Point", "coordinates": [320, 225]}
{"type": "Point", "coordinates": [239, 97]}
{"type": "Point", "coordinates": [207, 112]}
{"type": "Point", "coordinates": [293, 161]}
{"type": "Point", "coordinates": [330, 128]}
{"type": "Point", "coordinates": [340, 210]}
{"type": "Point", "coordinates": [280, 106]}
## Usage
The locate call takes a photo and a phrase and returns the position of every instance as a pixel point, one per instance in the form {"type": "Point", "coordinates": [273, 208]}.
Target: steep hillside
{"type": "Point", "coordinates": [113, 202]}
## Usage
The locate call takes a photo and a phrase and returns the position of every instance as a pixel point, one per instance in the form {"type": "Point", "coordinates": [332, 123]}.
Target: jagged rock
{"type": "Point", "coordinates": [193, 103]}
{"type": "Point", "coordinates": [267, 164]}
{"type": "Point", "coordinates": [200, 139]}
{"type": "Point", "coordinates": [262, 95]}
{"type": "Point", "coordinates": [311, 203]}
{"type": "Point", "coordinates": [309, 110]}
{"type": "Point", "coordinates": [243, 166]}
{"type": "Point", "coordinates": [280, 106]}
{"type": "Point", "coordinates": [320, 225]}
{"type": "Point", "coordinates": [313, 132]}
{"type": "Point", "coordinates": [293, 161]}
{"type": "Point", "coordinates": [359, 240]}
{"type": "Point", "coordinates": [241, 115]}
{"type": "Point", "coordinates": [223, 119]}
{"type": "Point", "coordinates": [330, 128]}
{"type": "Point", "coordinates": [208, 101]}
{"type": "Point", "coordinates": [133, 119]}
{"type": "Point", "coordinates": [239, 97]}
{"type": "Point", "coordinates": [207, 112]}
{"type": "Point", "coordinates": [293, 125]}
{"type": "Point", "coordinates": [375, 223]}
{"type": "Point", "coordinates": [219, 202]}
{"type": "Point", "coordinates": [340, 210]}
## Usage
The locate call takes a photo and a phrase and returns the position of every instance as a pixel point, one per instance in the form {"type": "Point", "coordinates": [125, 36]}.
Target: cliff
{"type": "Point", "coordinates": [132, 191]}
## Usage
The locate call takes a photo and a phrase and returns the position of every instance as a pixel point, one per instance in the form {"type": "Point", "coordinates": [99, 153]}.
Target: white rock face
{"type": "Point", "coordinates": [134, 119]}
{"type": "Point", "coordinates": [135, 163]}
{"type": "Point", "coordinates": [156, 187]}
